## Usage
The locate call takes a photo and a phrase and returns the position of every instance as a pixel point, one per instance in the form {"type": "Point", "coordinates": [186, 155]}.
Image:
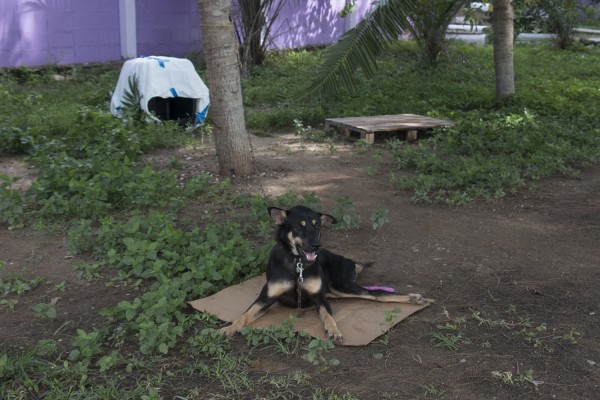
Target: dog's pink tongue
{"type": "Point", "coordinates": [311, 256]}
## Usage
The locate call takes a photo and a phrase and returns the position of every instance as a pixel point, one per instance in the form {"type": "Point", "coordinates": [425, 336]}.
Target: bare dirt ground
{"type": "Point", "coordinates": [515, 280]}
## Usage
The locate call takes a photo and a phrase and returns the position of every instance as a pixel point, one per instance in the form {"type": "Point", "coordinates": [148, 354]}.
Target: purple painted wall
{"type": "Point", "coordinates": [167, 28]}
{"type": "Point", "coordinates": [312, 23]}
{"type": "Point", "coordinates": [38, 32]}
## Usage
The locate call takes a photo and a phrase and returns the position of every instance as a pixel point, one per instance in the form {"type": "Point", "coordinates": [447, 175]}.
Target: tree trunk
{"type": "Point", "coordinates": [223, 79]}
{"type": "Point", "coordinates": [502, 24]}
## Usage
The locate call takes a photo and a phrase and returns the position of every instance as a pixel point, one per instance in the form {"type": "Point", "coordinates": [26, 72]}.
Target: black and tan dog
{"type": "Point", "coordinates": [300, 273]}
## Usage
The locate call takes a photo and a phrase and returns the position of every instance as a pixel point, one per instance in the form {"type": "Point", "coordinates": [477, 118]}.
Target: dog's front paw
{"type": "Point", "coordinates": [335, 335]}
{"type": "Point", "coordinates": [227, 331]}
{"type": "Point", "coordinates": [416, 298]}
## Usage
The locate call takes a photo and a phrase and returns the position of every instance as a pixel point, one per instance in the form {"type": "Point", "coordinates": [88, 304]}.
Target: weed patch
{"type": "Point", "coordinates": [289, 343]}
{"type": "Point", "coordinates": [16, 283]}
{"type": "Point", "coordinates": [177, 266]}
{"type": "Point", "coordinates": [345, 213]}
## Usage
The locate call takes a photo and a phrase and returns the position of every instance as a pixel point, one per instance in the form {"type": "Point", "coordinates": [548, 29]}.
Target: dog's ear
{"type": "Point", "coordinates": [326, 218]}
{"type": "Point", "coordinates": [278, 215]}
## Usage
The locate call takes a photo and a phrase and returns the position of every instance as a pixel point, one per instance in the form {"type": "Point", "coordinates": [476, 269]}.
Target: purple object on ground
{"type": "Point", "coordinates": [386, 289]}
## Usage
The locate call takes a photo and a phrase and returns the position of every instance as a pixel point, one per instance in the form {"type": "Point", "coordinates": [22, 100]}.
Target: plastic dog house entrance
{"type": "Point", "coordinates": [174, 108]}
{"type": "Point", "coordinates": [169, 89]}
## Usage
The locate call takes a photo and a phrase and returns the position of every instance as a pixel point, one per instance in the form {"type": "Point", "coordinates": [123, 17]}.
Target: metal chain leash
{"type": "Point", "coordinates": [300, 280]}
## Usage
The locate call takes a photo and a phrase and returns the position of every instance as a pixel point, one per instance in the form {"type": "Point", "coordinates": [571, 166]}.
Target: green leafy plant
{"type": "Point", "coordinates": [379, 218]}
{"type": "Point", "coordinates": [179, 266]}
{"type": "Point", "coordinates": [87, 271]}
{"type": "Point", "coordinates": [19, 367]}
{"type": "Point", "coordinates": [314, 353]}
{"type": "Point", "coordinates": [571, 337]}
{"type": "Point", "coordinates": [289, 342]}
{"type": "Point", "coordinates": [345, 213]}
{"type": "Point", "coordinates": [282, 336]}
{"type": "Point", "coordinates": [80, 236]}
{"type": "Point", "coordinates": [370, 170]}
{"type": "Point", "coordinates": [290, 199]}
{"type": "Point", "coordinates": [106, 362]}
{"type": "Point", "coordinates": [313, 134]}
{"type": "Point", "coordinates": [390, 317]}
{"type": "Point", "coordinates": [208, 342]}
{"type": "Point", "coordinates": [531, 332]}
{"type": "Point", "coordinates": [45, 310]}
{"type": "Point", "coordinates": [311, 200]}
{"type": "Point", "coordinates": [10, 303]}
{"type": "Point", "coordinates": [11, 203]}
{"type": "Point", "coordinates": [517, 379]}
{"type": "Point", "coordinates": [449, 341]}
{"type": "Point", "coordinates": [16, 283]}
{"type": "Point", "coordinates": [452, 339]}
{"type": "Point", "coordinates": [86, 345]}
{"type": "Point", "coordinates": [433, 391]}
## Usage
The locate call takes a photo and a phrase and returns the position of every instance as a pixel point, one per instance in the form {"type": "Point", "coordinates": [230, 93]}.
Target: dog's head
{"type": "Point", "coordinates": [300, 229]}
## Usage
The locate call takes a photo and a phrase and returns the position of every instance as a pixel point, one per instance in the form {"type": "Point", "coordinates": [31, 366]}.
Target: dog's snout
{"type": "Point", "coordinates": [315, 239]}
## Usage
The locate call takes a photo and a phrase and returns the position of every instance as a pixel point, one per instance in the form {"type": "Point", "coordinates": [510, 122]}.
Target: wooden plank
{"type": "Point", "coordinates": [379, 123]}
{"type": "Point", "coordinates": [367, 126]}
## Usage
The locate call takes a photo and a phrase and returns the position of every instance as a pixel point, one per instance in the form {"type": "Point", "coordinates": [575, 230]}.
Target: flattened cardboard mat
{"type": "Point", "coordinates": [360, 321]}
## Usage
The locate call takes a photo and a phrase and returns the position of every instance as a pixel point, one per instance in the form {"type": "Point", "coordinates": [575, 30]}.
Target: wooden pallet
{"type": "Point", "coordinates": [368, 126]}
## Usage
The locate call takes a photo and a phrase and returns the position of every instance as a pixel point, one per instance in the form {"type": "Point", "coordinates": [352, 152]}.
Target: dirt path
{"type": "Point", "coordinates": [517, 280]}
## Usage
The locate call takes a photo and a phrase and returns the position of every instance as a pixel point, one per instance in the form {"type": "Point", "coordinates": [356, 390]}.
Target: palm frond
{"type": "Point", "coordinates": [132, 97]}
{"type": "Point", "coordinates": [359, 47]}
{"type": "Point", "coordinates": [132, 100]}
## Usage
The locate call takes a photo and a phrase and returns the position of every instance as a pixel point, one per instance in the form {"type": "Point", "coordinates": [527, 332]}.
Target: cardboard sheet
{"type": "Point", "coordinates": [360, 321]}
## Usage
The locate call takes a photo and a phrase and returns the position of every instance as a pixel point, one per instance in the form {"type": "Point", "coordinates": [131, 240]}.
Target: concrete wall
{"type": "Point", "coordinates": [38, 32]}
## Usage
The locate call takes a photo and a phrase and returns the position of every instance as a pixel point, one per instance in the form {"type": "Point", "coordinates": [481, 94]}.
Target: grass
{"type": "Point", "coordinates": [93, 187]}
{"type": "Point", "coordinates": [493, 149]}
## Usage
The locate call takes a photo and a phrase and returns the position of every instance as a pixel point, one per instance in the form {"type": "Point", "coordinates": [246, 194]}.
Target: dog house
{"type": "Point", "coordinates": [169, 89]}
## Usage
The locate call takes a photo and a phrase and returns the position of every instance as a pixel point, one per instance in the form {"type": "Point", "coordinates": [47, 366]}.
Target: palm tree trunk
{"type": "Point", "coordinates": [223, 78]}
{"type": "Point", "coordinates": [502, 25]}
